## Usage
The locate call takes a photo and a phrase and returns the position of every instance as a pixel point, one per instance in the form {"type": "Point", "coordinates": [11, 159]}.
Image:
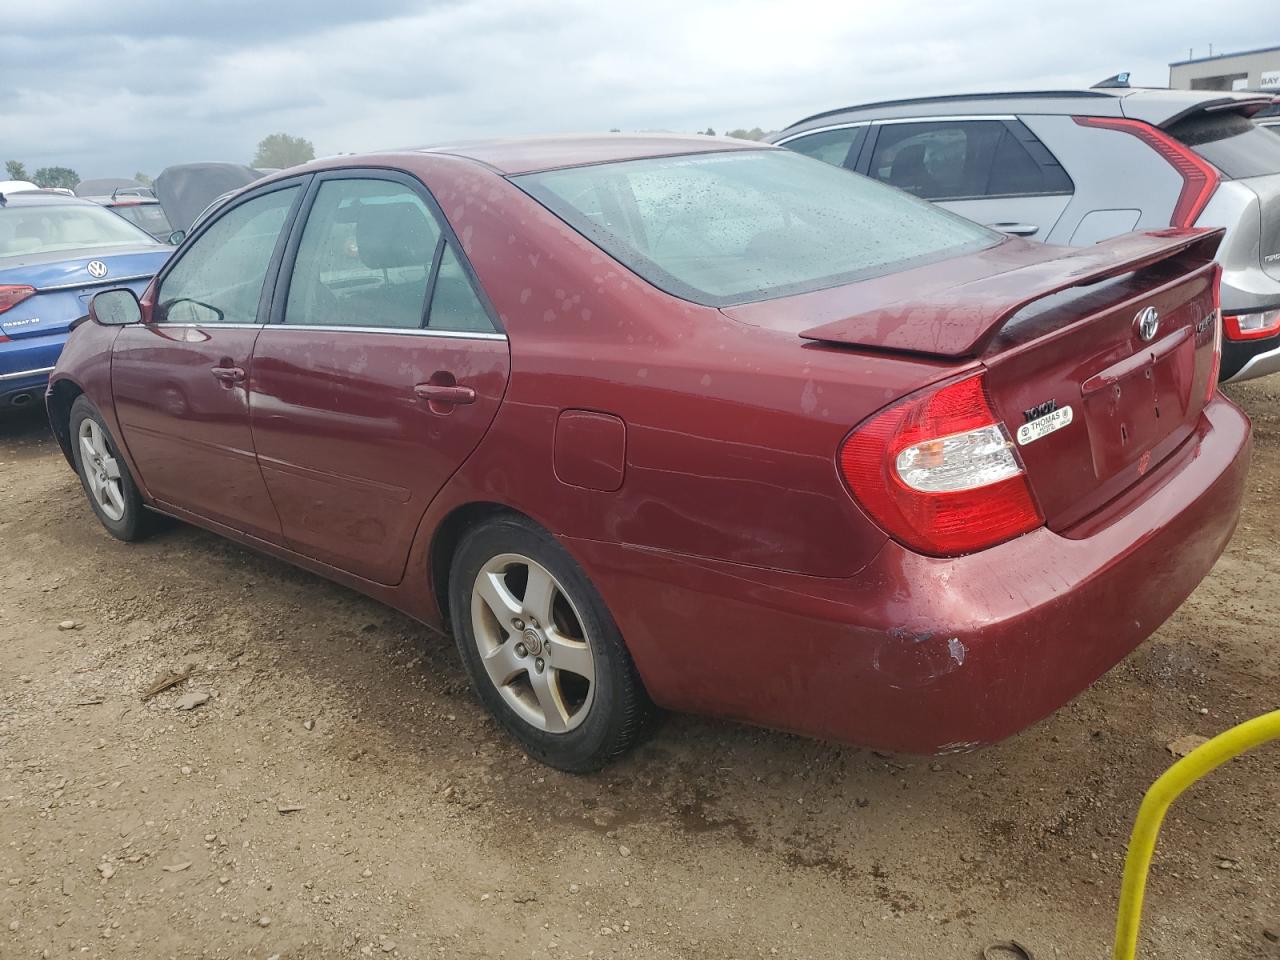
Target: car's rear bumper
{"type": "Point", "coordinates": [923, 654]}
{"type": "Point", "coordinates": [1248, 359]}
{"type": "Point", "coordinates": [25, 365]}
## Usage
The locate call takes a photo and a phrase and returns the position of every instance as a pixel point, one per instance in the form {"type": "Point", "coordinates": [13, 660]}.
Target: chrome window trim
{"type": "Point", "coordinates": [106, 282]}
{"type": "Point", "coordinates": [410, 331]}
{"type": "Point", "coordinates": [891, 121]}
{"type": "Point", "coordinates": [19, 374]}
{"type": "Point", "coordinates": [318, 328]}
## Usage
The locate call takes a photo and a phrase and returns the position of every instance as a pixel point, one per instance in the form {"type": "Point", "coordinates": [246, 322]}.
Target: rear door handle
{"type": "Point", "coordinates": [228, 374]}
{"type": "Point", "coordinates": [452, 393]}
{"type": "Point", "coordinates": [1016, 229]}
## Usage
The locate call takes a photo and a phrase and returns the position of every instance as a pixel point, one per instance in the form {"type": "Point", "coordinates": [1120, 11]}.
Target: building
{"type": "Point", "coordinates": [1251, 70]}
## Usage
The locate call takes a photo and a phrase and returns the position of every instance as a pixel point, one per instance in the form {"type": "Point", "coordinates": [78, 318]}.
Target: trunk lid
{"type": "Point", "coordinates": [1093, 400]}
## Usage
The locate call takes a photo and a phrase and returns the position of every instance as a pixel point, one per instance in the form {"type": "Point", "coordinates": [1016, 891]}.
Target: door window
{"type": "Point", "coordinates": [219, 277]}
{"type": "Point", "coordinates": [831, 146]}
{"type": "Point", "coordinates": [365, 257]}
{"type": "Point", "coordinates": [965, 160]}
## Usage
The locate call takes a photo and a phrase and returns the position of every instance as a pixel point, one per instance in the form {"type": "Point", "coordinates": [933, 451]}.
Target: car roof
{"type": "Point", "coordinates": [1153, 105]}
{"type": "Point", "coordinates": [534, 154]}
{"type": "Point", "coordinates": [42, 198]}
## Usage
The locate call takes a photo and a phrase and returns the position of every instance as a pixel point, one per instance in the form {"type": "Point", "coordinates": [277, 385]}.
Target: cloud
{"type": "Point", "coordinates": [139, 84]}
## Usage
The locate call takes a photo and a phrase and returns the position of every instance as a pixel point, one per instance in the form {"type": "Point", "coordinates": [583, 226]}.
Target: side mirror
{"type": "Point", "coordinates": [177, 237]}
{"type": "Point", "coordinates": [115, 308]}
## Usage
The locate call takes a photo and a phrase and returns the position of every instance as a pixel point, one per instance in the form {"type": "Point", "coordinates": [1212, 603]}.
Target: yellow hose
{"type": "Point", "coordinates": [1146, 828]}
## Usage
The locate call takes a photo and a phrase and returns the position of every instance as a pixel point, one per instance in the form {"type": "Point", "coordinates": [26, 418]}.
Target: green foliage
{"type": "Point", "coordinates": [708, 132]}
{"type": "Point", "coordinates": [56, 177]}
{"type": "Point", "coordinates": [755, 133]}
{"type": "Point", "coordinates": [143, 179]}
{"type": "Point", "coordinates": [16, 170]}
{"type": "Point", "coordinates": [282, 150]}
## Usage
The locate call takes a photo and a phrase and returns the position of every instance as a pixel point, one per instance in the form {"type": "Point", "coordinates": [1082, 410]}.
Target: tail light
{"type": "Point", "coordinates": [939, 472]}
{"type": "Point", "coordinates": [13, 294]}
{"type": "Point", "coordinates": [1252, 326]}
{"type": "Point", "coordinates": [1199, 178]}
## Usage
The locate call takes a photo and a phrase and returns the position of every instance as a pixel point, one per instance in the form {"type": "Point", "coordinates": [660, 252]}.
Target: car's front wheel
{"type": "Point", "coordinates": [541, 649]}
{"type": "Point", "coordinates": [105, 476]}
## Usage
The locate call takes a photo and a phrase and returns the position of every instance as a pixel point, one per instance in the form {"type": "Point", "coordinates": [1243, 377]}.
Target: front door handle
{"type": "Point", "coordinates": [228, 374]}
{"type": "Point", "coordinates": [445, 393]}
{"type": "Point", "coordinates": [1016, 229]}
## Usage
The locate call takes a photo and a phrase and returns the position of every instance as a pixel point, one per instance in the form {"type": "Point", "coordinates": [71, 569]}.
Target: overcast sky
{"type": "Point", "coordinates": [109, 88]}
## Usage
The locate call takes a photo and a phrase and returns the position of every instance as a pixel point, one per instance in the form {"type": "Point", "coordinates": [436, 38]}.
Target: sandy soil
{"type": "Point", "coordinates": [131, 829]}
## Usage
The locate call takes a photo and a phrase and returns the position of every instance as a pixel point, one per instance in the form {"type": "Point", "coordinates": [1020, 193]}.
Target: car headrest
{"type": "Point", "coordinates": [908, 165]}
{"type": "Point", "coordinates": [394, 235]}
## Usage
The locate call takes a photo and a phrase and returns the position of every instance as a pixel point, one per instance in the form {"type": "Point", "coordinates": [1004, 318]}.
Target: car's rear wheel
{"type": "Point", "coordinates": [105, 476]}
{"type": "Point", "coordinates": [542, 651]}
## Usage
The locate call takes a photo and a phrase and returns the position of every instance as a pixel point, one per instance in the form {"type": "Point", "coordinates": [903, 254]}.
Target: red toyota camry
{"type": "Point", "coordinates": [681, 422]}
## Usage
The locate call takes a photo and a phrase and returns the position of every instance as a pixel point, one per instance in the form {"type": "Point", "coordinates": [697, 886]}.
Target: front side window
{"type": "Point", "coordinates": [48, 228]}
{"type": "Point", "coordinates": [836, 147]}
{"type": "Point", "coordinates": [744, 225]}
{"type": "Point", "coordinates": [219, 277]}
{"type": "Point", "coordinates": [365, 257]}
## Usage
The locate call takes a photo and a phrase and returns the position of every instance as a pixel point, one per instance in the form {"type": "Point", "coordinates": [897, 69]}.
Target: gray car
{"type": "Point", "coordinates": [1079, 166]}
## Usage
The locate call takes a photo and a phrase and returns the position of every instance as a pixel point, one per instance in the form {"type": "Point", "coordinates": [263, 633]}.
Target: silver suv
{"type": "Point", "coordinates": [1079, 166]}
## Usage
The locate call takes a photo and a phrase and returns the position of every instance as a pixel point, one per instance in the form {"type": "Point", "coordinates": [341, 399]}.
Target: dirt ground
{"type": "Point", "coordinates": [135, 830]}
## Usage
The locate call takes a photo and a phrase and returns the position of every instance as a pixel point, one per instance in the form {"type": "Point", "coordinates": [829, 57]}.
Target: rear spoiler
{"type": "Point", "coordinates": [961, 321]}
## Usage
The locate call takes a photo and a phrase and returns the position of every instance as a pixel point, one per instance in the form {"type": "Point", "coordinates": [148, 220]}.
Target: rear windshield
{"type": "Point", "coordinates": [149, 216]}
{"type": "Point", "coordinates": [723, 228]}
{"type": "Point", "coordinates": [47, 229]}
{"type": "Point", "coordinates": [1234, 144]}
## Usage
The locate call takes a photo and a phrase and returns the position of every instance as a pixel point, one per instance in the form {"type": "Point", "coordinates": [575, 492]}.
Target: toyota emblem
{"type": "Point", "coordinates": [97, 269]}
{"type": "Point", "coordinates": [1147, 322]}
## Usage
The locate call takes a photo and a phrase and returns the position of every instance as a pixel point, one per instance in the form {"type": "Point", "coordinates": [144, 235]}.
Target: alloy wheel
{"type": "Point", "coordinates": [101, 470]}
{"type": "Point", "coordinates": [532, 643]}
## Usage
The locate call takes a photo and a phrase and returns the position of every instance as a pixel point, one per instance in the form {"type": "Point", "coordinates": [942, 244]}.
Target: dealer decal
{"type": "Point", "coordinates": [1045, 425]}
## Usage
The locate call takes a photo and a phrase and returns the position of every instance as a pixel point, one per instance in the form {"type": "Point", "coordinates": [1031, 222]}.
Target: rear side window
{"type": "Point", "coordinates": [836, 147]}
{"type": "Point", "coordinates": [365, 257]}
{"type": "Point", "coordinates": [722, 228]}
{"type": "Point", "coordinates": [1234, 144]}
{"type": "Point", "coordinates": [966, 160]}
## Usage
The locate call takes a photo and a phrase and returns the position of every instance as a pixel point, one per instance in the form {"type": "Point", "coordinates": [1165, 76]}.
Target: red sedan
{"type": "Point", "coordinates": [681, 422]}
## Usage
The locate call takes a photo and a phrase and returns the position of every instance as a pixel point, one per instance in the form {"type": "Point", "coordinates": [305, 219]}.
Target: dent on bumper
{"type": "Point", "coordinates": [921, 654]}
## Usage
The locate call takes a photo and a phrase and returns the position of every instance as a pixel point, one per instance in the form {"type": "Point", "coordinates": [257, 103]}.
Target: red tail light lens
{"type": "Point", "coordinates": [939, 472]}
{"type": "Point", "coordinates": [1199, 178]}
{"type": "Point", "coordinates": [1252, 326]}
{"type": "Point", "coordinates": [13, 294]}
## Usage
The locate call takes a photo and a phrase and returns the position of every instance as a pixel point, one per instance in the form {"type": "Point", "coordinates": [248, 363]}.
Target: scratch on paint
{"type": "Point", "coordinates": [957, 650]}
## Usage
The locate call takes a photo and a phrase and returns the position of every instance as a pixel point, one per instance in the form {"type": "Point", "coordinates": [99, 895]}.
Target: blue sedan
{"type": "Point", "coordinates": [56, 252]}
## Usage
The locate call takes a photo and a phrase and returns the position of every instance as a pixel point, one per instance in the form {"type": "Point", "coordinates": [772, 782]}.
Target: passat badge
{"type": "Point", "coordinates": [1148, 322]}
{"type": "Point", "coordinates": [97, 269]}
{"type": "Point", "coordinates": [1042, 426]}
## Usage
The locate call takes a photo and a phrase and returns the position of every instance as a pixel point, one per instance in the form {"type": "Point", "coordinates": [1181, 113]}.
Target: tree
{"type": "Point", "coordinates": [708, 132]}
{"type": "Point", "coordinates": [16, 170]}
{"type": "Point", "coordinates": [57, 177]}
{"type": "Point", "coordinates": [143, 179]}
{"type": "Point", "coordinates": [755, 133]}
{"type": "Point", "coordinates": [282, 150]}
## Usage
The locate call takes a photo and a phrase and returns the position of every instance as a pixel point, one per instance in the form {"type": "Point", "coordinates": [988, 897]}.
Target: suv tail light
{"type": "Point", "coordinates": [939, 472]}
{"type": "Point", "coordinates": [13, 294]}
{"type": "Point", "coordinates": [1252, 326]}
{"type": "Point", "coordinates": [1199, 178]}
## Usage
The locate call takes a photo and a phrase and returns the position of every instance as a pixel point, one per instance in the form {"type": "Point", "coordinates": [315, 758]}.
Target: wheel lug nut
{"type": "Point", "coordinates": [521, 650]}
{"type": "Point", "coordinates": [539, 664]}
{"type": "Point", "coordinates": [518, 623]}
{"type": "Point", "coordinates": [533, 622]}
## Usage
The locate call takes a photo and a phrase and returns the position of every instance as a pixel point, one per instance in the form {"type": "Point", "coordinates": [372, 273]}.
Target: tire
{"type": "Point", "coordinates": [106, 479]}
{"type": "Point", "coordinates": [554, 670]}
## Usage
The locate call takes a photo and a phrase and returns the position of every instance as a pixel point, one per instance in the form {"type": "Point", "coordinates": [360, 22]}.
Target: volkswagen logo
{"type": "Point", "coordinates": [1148, 322]}
{"type": "Point", "coordinates": [97, 269]}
